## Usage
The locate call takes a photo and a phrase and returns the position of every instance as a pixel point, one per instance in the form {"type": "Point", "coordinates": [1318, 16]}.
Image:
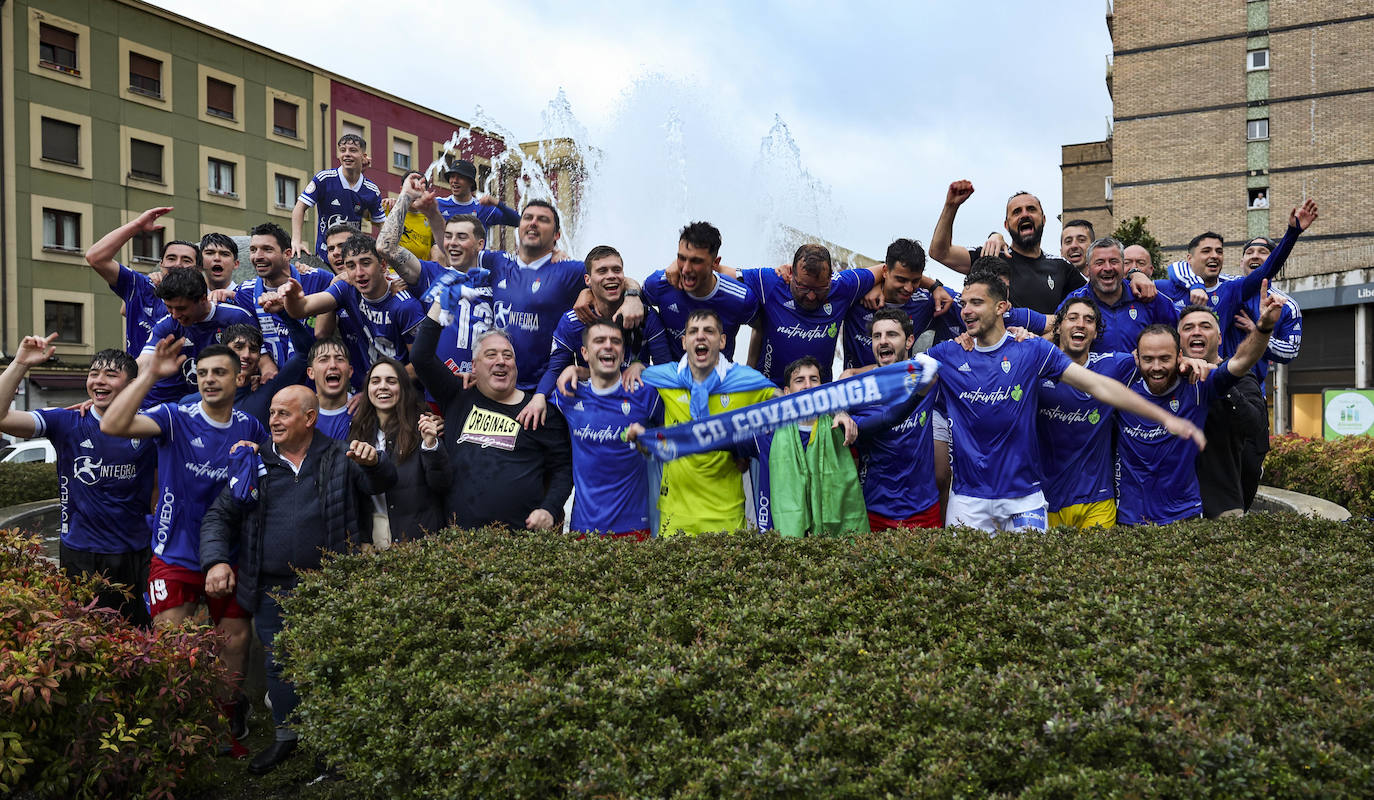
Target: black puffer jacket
{"type": "Point", "coordinates": [343, 488]}
{"type": "Point", "coordinates": [415, 506]}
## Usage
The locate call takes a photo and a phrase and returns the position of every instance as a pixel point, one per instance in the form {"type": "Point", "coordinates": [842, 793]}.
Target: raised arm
{"type": "Point", "coordinates": [33, 351]}
{"type": "Point", "coordinates": [389, 240]}
{"type": "Point", "coordinates": [1299, 220]}
{"type": "Point", "coordinates": [942, 247]}
{"type": "Point", "coordinates": [295, 302]}
{"type": "Point", "coordinates": [1119, 395]}
{"type": "Point", "coordinates": [102, 255]}
{"type": "Point", "coordinates": [122, 417]}
{"type": "Point", "coordinates": [436, 377]}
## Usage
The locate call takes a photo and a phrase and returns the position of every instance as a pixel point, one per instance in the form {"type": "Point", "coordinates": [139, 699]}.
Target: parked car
{"type": "Point", "coordinates": [28, 451]}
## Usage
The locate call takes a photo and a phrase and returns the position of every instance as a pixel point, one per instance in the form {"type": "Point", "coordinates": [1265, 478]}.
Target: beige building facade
{"type": "Point", "coordinates": [1228, 113]}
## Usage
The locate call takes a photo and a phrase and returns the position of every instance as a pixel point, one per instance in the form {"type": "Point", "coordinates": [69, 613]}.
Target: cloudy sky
{"type": "Point", "coordinates": [886, 102]}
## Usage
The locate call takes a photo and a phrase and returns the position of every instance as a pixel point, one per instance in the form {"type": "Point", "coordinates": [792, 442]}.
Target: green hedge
{"type": "Point", "coordinates": [90, 706]}
{"type": "Point", "coordinates": [1341, 470]}
{"type": "Point", "coordinates": [1205, 659]}
{"type": "Point", "coordinates": [25, 483]}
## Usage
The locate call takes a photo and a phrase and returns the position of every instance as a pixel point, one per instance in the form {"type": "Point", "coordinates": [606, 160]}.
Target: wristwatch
{"type": "Point", "coordinates": [632, 293]}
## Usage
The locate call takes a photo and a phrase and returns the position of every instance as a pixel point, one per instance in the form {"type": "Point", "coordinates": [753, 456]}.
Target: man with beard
{"type": "Point", "coordinates": [1074, 429]}
{"type": "Point", "coordinates": [801, 315]}
{"type": "Point", "coordinates": [1123, 315]}
{"type": "Point", "coordinates": [895, 445]}
{"type": "Point", "coordinates": [1074, 239]}
{"type": "Point", "coordinates": [1234, 417]}
{"type": "Point", "coordinates": [269, 248]}
{"type": "Point", "coordinates": [991, 396]}
{"type": "Point", "coordinates": [192, 317]}
{"type": "Point", "coordinates": [1156, 474]}
{"type": "Point", "coordinates": [1039, 281]}
{"type": "Point", "coordinates": [906, 263]}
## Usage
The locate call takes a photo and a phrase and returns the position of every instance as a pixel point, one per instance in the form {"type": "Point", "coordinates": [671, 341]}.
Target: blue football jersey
{"type": "Point", "coordinates": [105, 483]}
{"type": "Point", "coordinates": [858, 344]}
{"type": "Point", "coordinates": [733, 301]}
{"type": "Point", "coordinates": [1123, 321]}
{"type": "Point", "coordinates": [276, 340]}
{"type": "Point", "coordinates": [335, 423]}
{"type": "Point", "coordinates": [647, 344]}
{"type": "Point", "coordinates": [990, 396]}
{"type": "Point", "coordinates": [197, 337]}
{"type": "Point", "coordinates": [610, 477]}
{"type": "Point", "coordinates": [1075, 433]}
{"type": "Point", "coordinates": [1156, 476]}
{"type": "Point", "coordinates": [336, 202]}
{"type": "Point", "coordinates": [384, 327]}
{"type": "Point", "coordinates": [499, 214]}
{"type": "Point", "coordinates": [897, 457]}
{"type": "Point", "coordinates": [192, 468]}
{"type": "Point", "coordinates": [528, 300]}
{"type": "Point", "coordinates": [473, 317]}
{"type": "Point", "coordinates": [142, 308]}
{"type": "Point", "coordinates": [791, 331]}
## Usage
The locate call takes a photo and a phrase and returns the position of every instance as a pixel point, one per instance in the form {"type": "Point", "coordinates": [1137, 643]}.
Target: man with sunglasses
{"type": "Point", "coordinates": [800, 314]}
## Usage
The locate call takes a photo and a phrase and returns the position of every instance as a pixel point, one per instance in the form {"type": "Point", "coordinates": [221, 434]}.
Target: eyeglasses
{"type": "Point", "coordinates": [810, 291]}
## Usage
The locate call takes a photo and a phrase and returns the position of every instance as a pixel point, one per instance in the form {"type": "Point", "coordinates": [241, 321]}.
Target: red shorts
{"type": "Point", "coordinates": [170, 586]}
{"type": "Point", "coordinates": [930, 518]}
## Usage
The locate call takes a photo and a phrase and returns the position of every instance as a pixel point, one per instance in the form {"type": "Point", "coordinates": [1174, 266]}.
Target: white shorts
{"type": "Point", "coordinates": [1029, 513]}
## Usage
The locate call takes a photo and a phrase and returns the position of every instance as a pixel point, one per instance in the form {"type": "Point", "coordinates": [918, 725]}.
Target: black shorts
{"type": "Point", "coordinates": [126, 571]}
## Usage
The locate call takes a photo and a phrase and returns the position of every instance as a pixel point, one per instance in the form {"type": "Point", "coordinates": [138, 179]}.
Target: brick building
{"type": "Point", "coordinates": [114, 106]}
{"type": "Point", "coordinates": [1217, 101]}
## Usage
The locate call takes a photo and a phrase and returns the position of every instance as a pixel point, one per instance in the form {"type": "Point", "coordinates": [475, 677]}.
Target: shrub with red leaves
{"type": "Point", "coordinates": [91, 706]}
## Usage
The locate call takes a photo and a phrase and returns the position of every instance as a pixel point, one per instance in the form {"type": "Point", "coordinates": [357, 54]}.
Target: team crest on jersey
{"type": "Point", "coordinates": [1173, 405]}
{"type": "Point", "coordinates": [625, 407]}
{"type": "Point", "coordinates": [725, 401]}
{"type": "Point", "coordinates": [826, 307]}
{"type": "Point", "coordinates": [134, 443]}
{"type": "Point", "coordinates": [1133, 312]}
{"type": "Point", "coordinates": [534, 287]}
{"type": "Point", "coordinates": [1050, 281]}
{"type": "Point", "coordinates": [1006, 364]}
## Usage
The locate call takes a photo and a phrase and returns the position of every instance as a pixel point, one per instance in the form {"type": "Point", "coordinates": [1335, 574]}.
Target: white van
{"type": "Point", "coordinates": [27, 451]}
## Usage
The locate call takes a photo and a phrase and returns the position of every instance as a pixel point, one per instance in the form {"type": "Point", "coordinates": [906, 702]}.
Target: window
{"type": "Point", "coordinates": [222, 178]}
{"type": "Point", "coordinates": [61, 230]}
{"type": "Point", "coordinates": [1257, 129]}
{"type": "Point", "coordinates": [219, 98]}
{"type": "Point", "coordinates": [288, 189]}
{"type": "Point", "coordinates": [1257, 60]}
{"type": "Point", "coordinates": [147, 245]}
{"type": "Point", "coordinates": [61, 141]}
{"type": "Point", "coordinates": [356, 130]}
{"type": "Point", "coordinates": [400, 154]}
{"type": "Point", "coordinates": [1258, 197]}
{"type": "Point", "coordinates": [57, 48]}
{"type": "Point", "coordinates": [65, 318]}
{"type": "Point", "coordinates": [145, 75]}
{"type": "Point", "coordinates": [284, 118]}
{"type": "Point", "coordinates": [1107, 189]}
{"type": "Point", "coordinates": [145, 160]}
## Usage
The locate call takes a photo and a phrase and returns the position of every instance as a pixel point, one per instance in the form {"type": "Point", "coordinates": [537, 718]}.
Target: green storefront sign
{"type": "Point", "coordinates": [1347, 412]}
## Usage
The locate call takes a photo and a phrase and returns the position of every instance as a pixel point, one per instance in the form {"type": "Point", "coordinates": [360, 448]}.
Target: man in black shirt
{"type": "Point", "coordinates": [502, 473]}
{"type": "Point", "coordinates": [1039, 281]}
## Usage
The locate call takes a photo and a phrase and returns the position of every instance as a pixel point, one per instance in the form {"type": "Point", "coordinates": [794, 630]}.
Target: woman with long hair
{"type": "Point", "coordinates": [389, 416]}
